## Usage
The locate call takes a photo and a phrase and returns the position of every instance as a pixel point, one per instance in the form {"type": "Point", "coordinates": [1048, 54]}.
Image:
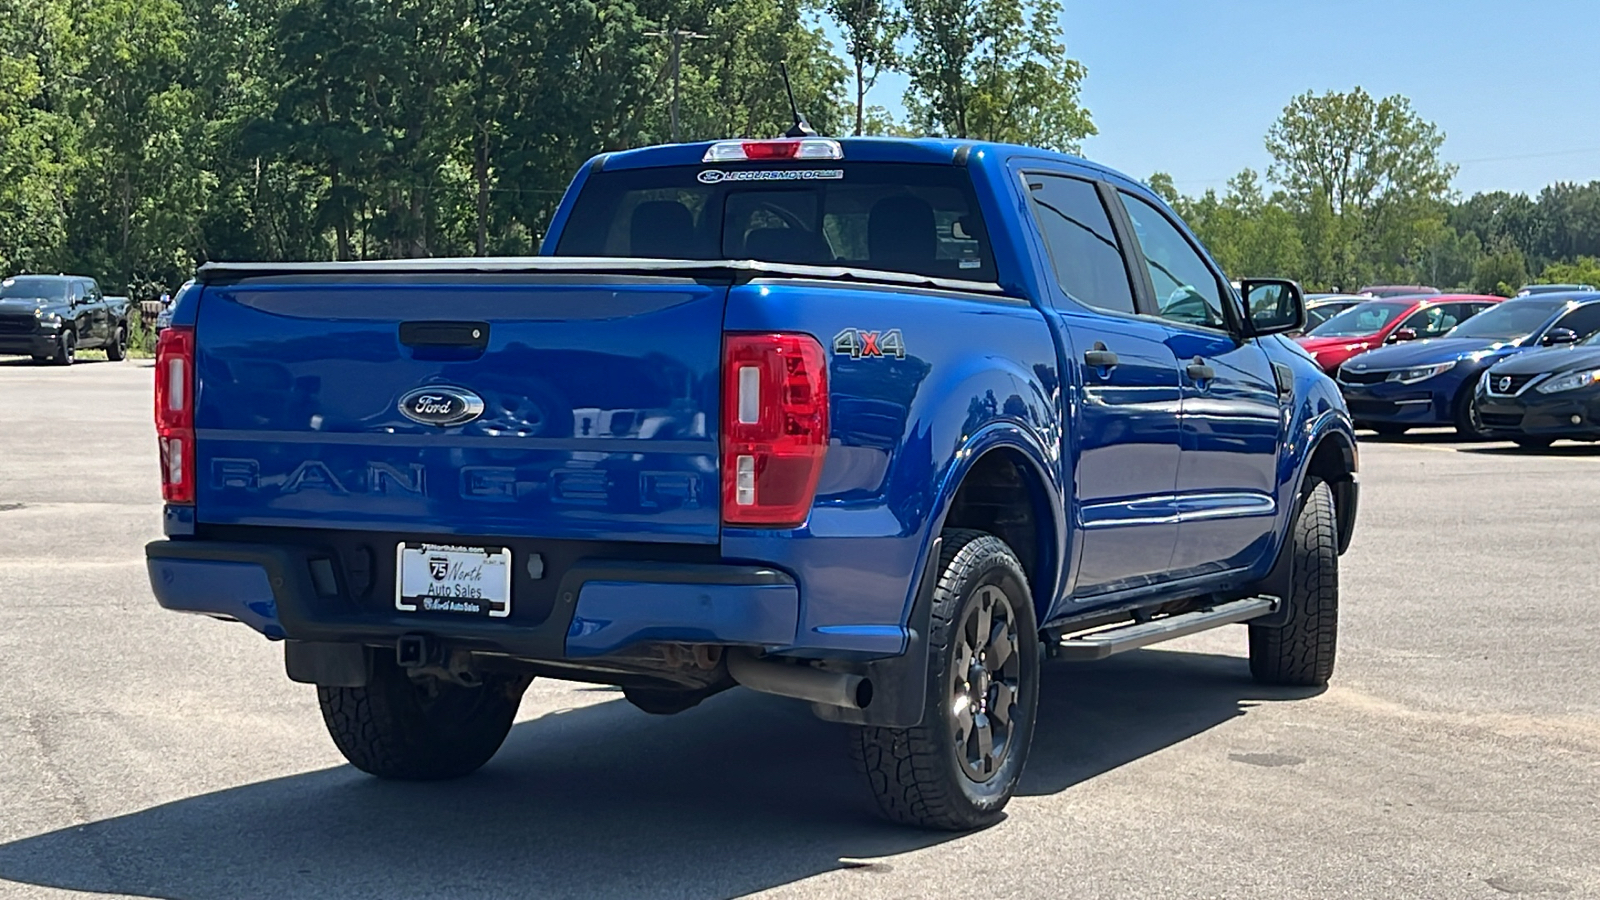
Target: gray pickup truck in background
{"type": "Point", "coordinates": [52, 317]}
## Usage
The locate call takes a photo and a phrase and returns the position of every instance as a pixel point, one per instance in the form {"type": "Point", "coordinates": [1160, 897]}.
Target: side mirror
{"type": "Point", "coordinates": [1401, 334]}
{"type": "Point", "coordinates": [1273, 306]}
{"type": "Point", "coordinates": [1557, 336]}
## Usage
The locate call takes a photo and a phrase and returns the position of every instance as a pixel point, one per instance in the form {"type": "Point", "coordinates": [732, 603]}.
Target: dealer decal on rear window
{"type": "Point", "coordinates": [718, 176]}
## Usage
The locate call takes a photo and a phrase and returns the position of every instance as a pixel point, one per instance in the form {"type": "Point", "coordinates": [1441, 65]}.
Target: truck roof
{"type": "Point", "coordinates": [856, 149]}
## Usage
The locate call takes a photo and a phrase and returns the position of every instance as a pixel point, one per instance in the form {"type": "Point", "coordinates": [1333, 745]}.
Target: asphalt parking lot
{"type": "Point", "coordinates": [1457, 754]}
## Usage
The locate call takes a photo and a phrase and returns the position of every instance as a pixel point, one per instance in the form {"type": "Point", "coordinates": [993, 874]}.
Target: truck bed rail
{"type": "Point", "coordinates": [731, 270]}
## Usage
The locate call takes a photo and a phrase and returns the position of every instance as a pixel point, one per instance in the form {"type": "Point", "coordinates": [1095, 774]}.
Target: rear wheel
{"type": "Point", "coordinates": [117, 350]}
{"type": "Point", "coordinates": [419, 729]}
{"type": "Point", "coordinates": [66, 349]}
{"type": "Point", "coordinates": [1301, 651]}
{"type": "Point", "coordinates": [959, 768]}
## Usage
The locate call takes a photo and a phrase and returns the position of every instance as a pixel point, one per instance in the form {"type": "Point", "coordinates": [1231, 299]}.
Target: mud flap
{"type": "Point", "coordinates": [327, 664]}
{"type": "Point", "coordinates": [899, 684]}
{"type": "Point", "coordinates": [1279, 582]}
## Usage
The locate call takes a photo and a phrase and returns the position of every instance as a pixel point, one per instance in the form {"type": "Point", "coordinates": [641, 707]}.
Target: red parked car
{"type": "Point", "coordinates": [1378, 322]}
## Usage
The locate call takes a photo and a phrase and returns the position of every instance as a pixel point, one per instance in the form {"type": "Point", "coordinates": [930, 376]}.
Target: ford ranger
{"type": "Point", "coordinates": [875, 424]}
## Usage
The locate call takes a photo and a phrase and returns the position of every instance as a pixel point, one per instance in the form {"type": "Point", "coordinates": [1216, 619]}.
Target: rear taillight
{"type": "Point", "coordinates": [774, 428]}
{"type": "Point", "coordinates": [175, 412]}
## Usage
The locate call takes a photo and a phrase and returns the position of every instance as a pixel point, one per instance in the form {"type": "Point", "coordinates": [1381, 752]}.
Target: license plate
{"type": "Point", "coordinates": [473, 581]}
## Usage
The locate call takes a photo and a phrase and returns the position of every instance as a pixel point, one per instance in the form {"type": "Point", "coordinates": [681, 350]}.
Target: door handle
{"type": "Point", "coordinates": [1099, 357]}
{"type": "Point", "coordinates": [1199, 371]}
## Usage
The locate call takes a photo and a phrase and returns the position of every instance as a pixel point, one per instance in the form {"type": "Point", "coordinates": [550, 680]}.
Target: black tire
{"type": "Point", "coordinates": [1534, 443]}
{"type": "Point", "coordinates": [117, 350]}
{"type": "Point", "coordinates": [66, 349]}
{"type": "Point", "coordinates": [936, 775]}
{"type": "Point", "coordinates": [409, 730]}
{"type": "Point", "coordinates": [1468, 427]}
{"type": "Point", "coordinates": [1301, 652]}
{"type": "Point", "coordinates": [1389, 429]}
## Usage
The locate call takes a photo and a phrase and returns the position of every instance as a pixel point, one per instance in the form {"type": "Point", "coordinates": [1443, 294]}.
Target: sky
{"type": "Point", "coordinates": [1190, 87]}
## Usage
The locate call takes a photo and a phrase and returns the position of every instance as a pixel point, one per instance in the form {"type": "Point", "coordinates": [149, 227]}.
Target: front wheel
{"type": "Point", "coordinates": [117, 350]}
{"type": "Point", "coordinates": [1300, 652]}
{"type": "Point", "coordinates": [66, 349]}
{"type": "Point", "coordinates": [419, 729]}
{"type": "Point", "coordinates": [958, 769]}
{"type": "Point", "coordinates": [1468, 426]}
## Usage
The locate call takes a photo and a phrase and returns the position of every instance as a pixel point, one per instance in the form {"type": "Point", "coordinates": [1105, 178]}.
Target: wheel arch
{"type": "Point", "coordinates": [1335, 460]}
{"type": "Point", "coordinates": [1000, 484]}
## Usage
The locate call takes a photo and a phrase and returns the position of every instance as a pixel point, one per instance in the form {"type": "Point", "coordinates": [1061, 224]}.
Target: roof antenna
{"type": "Point", "coordinates": [801, 128]}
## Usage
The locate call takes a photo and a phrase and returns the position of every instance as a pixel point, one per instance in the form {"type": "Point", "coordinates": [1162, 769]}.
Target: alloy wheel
{"type": "Point", "coordinates": [985, 683]}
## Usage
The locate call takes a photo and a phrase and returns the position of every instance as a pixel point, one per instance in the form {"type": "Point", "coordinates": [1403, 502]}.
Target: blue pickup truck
{"type": "Point", "coordinates": [876, 424]}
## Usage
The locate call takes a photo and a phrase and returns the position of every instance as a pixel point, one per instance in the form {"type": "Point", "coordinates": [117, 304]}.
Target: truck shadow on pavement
{"type": "Point", "coordinates": [741, 794]}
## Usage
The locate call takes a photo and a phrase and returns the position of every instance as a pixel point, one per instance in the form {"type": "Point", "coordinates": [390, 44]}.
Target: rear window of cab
{"type": "Point", "coordinates": [896, 217]}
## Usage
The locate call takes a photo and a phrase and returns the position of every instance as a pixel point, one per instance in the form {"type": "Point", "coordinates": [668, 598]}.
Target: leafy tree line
{"type": "Point", "coordinates": [1361, 194]}
{"type": "Point", "coordinates": [141, 137]}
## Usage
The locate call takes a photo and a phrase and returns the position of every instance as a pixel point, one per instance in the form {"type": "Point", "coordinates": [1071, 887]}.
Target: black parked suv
{"type": "Point", "coordinates": [52, 317]}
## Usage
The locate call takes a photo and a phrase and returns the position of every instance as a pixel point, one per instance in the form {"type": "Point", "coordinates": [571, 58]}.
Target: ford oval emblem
{"type": "Point", "coordinates": [441, 406]}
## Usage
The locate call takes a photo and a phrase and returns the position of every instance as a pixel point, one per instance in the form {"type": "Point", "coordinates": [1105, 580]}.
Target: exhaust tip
{"type": "Point", "coordinates": [863, 693]}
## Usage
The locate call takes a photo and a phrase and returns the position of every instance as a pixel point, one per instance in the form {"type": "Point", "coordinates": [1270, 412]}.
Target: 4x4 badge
{"type": "Point", "coordinates": [856, 343]}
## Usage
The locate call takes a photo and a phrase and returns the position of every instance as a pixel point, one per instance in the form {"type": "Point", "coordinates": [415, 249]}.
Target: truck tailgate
{"type": "Point", "coordinates": [327, 402]}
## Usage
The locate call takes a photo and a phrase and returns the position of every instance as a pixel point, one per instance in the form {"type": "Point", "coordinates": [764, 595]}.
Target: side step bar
{"type": "Point", "coordinates": [1101, 644]}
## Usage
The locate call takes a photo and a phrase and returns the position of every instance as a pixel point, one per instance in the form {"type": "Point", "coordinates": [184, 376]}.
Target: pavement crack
{"type": "Point", "coordinates": [67, 789]}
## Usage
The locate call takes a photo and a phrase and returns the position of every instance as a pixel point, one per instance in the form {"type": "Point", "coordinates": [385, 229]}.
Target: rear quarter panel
{"type": "Point", "coordinates": [976, 373]}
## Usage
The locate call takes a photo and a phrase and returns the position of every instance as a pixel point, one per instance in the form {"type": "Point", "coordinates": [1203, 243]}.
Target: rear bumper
{"type": "Point", "coordinates": [600, 606]}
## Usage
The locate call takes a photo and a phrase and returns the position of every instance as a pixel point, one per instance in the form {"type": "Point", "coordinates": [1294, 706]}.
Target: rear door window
{"type": "Point", "coordinates": [1084, 250]}
{"type": "Point", "coordinates": [1585, 320]}
{"type": "Point", "coordinates": [1360, 320]}
{"type": "Point", "coordinates": [1433, 320]}
{"type": "Point", "coordinates": [911, 218]}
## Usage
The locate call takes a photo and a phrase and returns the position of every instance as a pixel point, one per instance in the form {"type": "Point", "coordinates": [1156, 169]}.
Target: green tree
{"type": "Point", "coordinates": [1161, 184]}
{"type": "Point", "coordinates": [995, 70]}
{"type": "Point", "coordinates": [1364, 174]}
{"type": "Point", "coordinates": [731, 86]}
{"type": "Point", "coordinates": [1501, 271]}
{"type": "Point", "coordinates": [1449, 257]}
{"type": "Point", "coordinates": [38, 138]}
{"type": "Point", "coordinates": [872, 29]}
{"type": "Point", "coordinates": [1583, 270]}
{"type": "Point", "coordinates": [1568, 222]}
{"type": "Point", "coordinates": [1246, 232]}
